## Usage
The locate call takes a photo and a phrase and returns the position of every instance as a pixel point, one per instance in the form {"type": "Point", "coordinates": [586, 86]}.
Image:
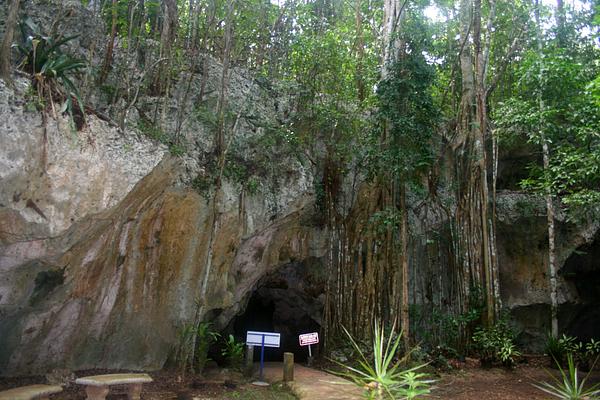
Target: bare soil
{"type": "Point", "coordinates": [468, 381]}
{"type": "Point", "coordinates": [471, 382]}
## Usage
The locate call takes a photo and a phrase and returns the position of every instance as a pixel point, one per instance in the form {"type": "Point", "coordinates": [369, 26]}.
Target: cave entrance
{"type": "Point", "coordinates": [582, 269]}
{"type": "Point", "coordinates": [290, 302]}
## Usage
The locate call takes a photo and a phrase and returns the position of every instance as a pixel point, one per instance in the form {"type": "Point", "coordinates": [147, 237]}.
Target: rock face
{"type": "Point", "coordinates": [524, 277]}
{"type": "Point", "coordinates": [290, 301]}
{"type": "Point", "coordinates": [104, 254]}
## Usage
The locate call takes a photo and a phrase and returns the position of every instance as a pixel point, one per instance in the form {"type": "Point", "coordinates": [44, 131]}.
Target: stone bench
{"type": "Point", "coordinates": [97, 387]}
{"type": "Point", "coordinates": [30, 392]}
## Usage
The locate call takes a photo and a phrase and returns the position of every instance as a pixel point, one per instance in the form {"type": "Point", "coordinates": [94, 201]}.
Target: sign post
{"type": "Point", "coordinates": [308, 339]}
{"type": "Point", "coordinates": [262, 339]}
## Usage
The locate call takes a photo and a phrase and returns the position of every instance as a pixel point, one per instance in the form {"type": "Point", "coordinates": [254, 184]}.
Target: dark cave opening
{"type": "Point", "coordinates": [287, 302]}
{"type": "Point", "coordinates": [582, 270]}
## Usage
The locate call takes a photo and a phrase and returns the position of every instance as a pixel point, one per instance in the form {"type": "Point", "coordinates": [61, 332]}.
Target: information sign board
{"type": "Point", "coordinates": [267, 339]}
{"type": "Point", "coordinates": [309, 338]}
{"type": "Point", "coordinates": [262, 339]}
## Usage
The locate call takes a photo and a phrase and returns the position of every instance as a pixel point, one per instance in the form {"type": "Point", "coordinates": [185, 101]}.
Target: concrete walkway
{"type": "Point", "coordinates": [312, 384]}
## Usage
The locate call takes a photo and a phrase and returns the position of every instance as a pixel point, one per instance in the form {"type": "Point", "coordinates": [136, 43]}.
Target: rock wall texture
{"type": "Point", "coordinates": [104, 254]}
{"type": "Point", "coordinates": [109, 244]}
{"type": "Point", "coordinates": [524, 277]}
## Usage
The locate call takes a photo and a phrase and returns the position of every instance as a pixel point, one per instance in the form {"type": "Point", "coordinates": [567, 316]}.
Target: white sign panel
{"type": "Point", "coordinates": [309, 338]}
{"type": "Point", "coordinates": [271, 339]}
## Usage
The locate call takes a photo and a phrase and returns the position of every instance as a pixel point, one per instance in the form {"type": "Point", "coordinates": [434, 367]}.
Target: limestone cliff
{"type": "Point", "coordinates": [104, 255]}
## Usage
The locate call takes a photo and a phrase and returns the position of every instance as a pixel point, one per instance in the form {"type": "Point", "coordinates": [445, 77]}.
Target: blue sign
{"type": "Point", "coordinates": [262, 339]}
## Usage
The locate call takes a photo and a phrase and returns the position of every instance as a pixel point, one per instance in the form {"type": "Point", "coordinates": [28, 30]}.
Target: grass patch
{"type": "Point", "coordinates": [277, 391]}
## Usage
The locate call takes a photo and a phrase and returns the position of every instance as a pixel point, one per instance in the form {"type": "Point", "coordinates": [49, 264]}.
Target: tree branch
{"type": "Point", "coordinates": [509, 56]}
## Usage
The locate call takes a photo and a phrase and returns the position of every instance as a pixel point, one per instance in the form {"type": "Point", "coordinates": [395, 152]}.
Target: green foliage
{"type": "Point", "coordinates": [233, 351]}
{"type": "Point", "coordinates": [495, 344]}
{"type": "Point", "coordinates": [185, 346]}
{"type": "Point", "coordinates": [555, 347]}
{"type": "Point", "coordinates": [177, 149]}
{"type": "Point", "coordinates": [52, 70]}
{"type": "Point", "coordinates": [444, 334]}
{"type": "Point", "coordinates": [202, 184]}
{"type": "Point", "coordinates": [252, 185]}
{"type": "Point", "coordinates": [385, 219]}
{"type": "Point", "coordinates": [276, 391]}
{"type": "Point", "coordinates": [154, 132]}
{"type": "Point", "coordinates": [560, 348]}
{"type": "Point", "coordinates": [406, 110]}
{"type": "Point", "coordinates": [592, 349]}
{"type": "Point", "coordinates": [382, 375]}
{"type": "Point", "coordinates": [193, 344]}
{"type": "Point", "coordinates": [565, 81]}
{"type": "Point", "coordinates": [235, 170]}
{"type": "Point", "coordinates": [569, 387]}
{"type": "Point", "coordinates": [205, 337]}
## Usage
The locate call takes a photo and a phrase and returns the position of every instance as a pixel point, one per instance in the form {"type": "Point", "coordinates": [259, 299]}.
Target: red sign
{"type": "Point", "coordinates": [309, 338]}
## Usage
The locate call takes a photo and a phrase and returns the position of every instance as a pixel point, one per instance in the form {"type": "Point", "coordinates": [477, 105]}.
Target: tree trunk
{"type": "Point", "coordinates": [210, 18]}
{"type": "Point", "coordinates": [111, 44]}
{"type": "Point", "coordinates": [404, 308]}
{"type": "Point", "coordinates": [475, 227]}
{"type": "Point", "coordinates": [140, 38]}
{"type": "Point", "coordinates": [360, 52]}
{"type": "Point", "coordinates": [549, 200]}
{"type": "Point", "coordinates": [481, 131]}
{"type": "Point", "coordinates": [560, 22]}
{"type": "Point", "coordinates": [390, 13]}
{"type": "Point", "coordinates": [5, 49]}
{"type": "Point", "coordinates": [167, 38]}
{"type": "Point", "coordinates": [221, 106]}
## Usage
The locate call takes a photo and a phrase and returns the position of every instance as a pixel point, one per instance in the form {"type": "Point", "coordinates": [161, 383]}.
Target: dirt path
{"type": "Point", "coordinates": [313, 384]}
{"type": "Point", "coordinates": [497, 384]}
{"type": "Point", "coordinates": [471, 383]}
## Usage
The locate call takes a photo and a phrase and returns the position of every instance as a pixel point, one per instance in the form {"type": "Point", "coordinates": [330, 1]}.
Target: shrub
{"type": "Point", "coordinates": [205, 337]}
{"type": "Point", "coordinates": [193, 344]}
{"type": "Point", "coordinates": [554, 348]}
{"type": "Point", "coordinates": [585, 355]}
{"type": "Point", "coordinates": [233, 352]}
{"type": "Point", "coordinates": [495, 344]}
{"type": "Point", "coordinates": [592, 349]}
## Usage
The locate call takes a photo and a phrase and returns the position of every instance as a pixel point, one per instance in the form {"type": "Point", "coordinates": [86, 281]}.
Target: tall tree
{"type": "Point", "coordinates": [7, 40]}
{"type": "Point", "coordinates": [546, 163]}
{"type": "Point", "coordinates": [111, 43]}
{"type": "Point", "coordinates": [475, 238]}
{"type": "Point", "coordinates": [168, 34]}
{"type": "Point", "coordinates": [404, 149]}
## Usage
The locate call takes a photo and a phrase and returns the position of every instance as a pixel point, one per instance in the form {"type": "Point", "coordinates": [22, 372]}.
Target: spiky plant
{"type": "Point", "coordinates": [383, 377]}
{"type": "Point", "coordinates": [51, 69]}
{"type": "Point", "coordinates": [569, 387]}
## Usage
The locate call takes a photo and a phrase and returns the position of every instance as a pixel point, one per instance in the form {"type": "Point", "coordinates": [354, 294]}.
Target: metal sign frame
{"type": "Point", "coordinates": [263, 339]}
{"type": "Point", "coordinates": [307, 339]}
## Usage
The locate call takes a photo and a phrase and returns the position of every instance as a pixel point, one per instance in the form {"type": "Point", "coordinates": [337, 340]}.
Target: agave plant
{"type": "Point", "coordinates": [383, 377]}
{"type": "Point", "coordinates": [569, 387]}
